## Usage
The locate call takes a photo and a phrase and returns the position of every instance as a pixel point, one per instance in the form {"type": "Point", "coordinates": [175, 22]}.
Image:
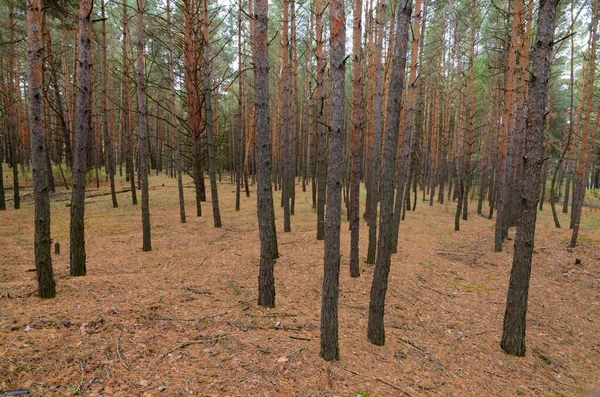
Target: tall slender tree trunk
{"type": "Point", "coordinates": [331, 275]}
{"type": "Point", "coordinates": [13, 111]}
{"type": "Point", "coordinates": [408, 128]}
{"type": "Point", "coordinates": [357, 132]}
{"type": "Point", "coordinates": [82, 133]}
{"type": "Point", "coordinates": [209, 120]}
{"type": "Point", "coordinates": [513, 336]}
{"type": "Point", "coordinates": [288, 172]}
{"type": "Point", "coordinates": [377, 127]}
{"type": "Point", "coordinates": [126, 105]}
{"type": "Point", "coordinates": [42, 240]}
{"type": "Point", "coordinates": [508, 130]}
{"type": "Point", "coordinates": [587, 141]}
{"type": "Point", "coordinates": [110, 162]}
{"type": "Point", "coordinates": [173, 117]}
{"type": "Point", "coordinates": [143, 126]}
{"type": "Point", "coordinates": [376, 330]}
{"type": "Point", "coordinates": [321, 123]}
{"type": "Point", "coordinates": [266, 211]}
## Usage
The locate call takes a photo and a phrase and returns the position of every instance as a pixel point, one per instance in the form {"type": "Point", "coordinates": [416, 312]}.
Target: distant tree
{"type": "Point", "coordinates": [82, 133]}
{"type": "Point", "coordinates": [513, 336]}
{"type": "Point", "coordinates": [42, 240]}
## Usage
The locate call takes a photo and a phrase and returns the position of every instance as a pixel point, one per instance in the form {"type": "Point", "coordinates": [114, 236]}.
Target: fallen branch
{"type": "Point", "coordinates": [119, 352]}
{"type": "Point", "coordinates": [393, 386]}
{"type": "Point", "coordinates": [299, 338]}
{"type": "Point", "coordinates": [190, 342]}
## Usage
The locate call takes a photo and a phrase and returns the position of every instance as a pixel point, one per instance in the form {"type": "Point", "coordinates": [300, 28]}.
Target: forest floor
{"type": "Point", "coordinates": [183, 319]}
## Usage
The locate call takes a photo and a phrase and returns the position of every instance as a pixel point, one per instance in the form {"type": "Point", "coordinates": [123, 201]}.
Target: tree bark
{"type": "Point", "coordinates": [143, 126]}
{"type": "Point", "coordinates": [513, 336]}
{"type": "Point", "coordinates": [42, 240]}
{"type": "Point", "coordinates": [82, 133]}
{"type": "Point", "coordinates": [377, 127]}
{"type": "Point", "coordinates": [209, 120]}
{"type": "Point", "coordinates": [173, 117]}
{"type": "Point", "coordinates": [321, 124]}
{"type": "Point", "coordinates": [110, 162]}
{"type": "Point", "coordinates": [376, 330]}
{"type": "Point", "coordinates": [266, 211]}
{"type": "Point", "coordinates": [357, 132]}
{"type": "Point", "coordinates": [330, 295]}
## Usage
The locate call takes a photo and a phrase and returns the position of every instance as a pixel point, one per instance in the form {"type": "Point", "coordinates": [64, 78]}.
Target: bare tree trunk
{"type": "Point", "coordinates": [82, 133]}
{"type": "Point", "coordinates": [2, 195]}
{"type": "Point", "coordinates": [12, 112]}
{"type": "Point", "coordinates": [376, 330]}
{"type": "Point", "coordinates": [209, 120]}
{"type": "Point", "coordinates": [513, 336]}
{"type": "Point", "coordinates": [110, 163]}
{"type": "Point", "coordinates": [288, 173]}
{"type": "Point", "coordinates": [357, 132]}
{"type": "Point", "coordinates": [143, 126]}
{"type": "Point", "coordinates": [587, 144]}
{"type": "Point", "coordinates": [173, 117]}
{"type": "Point", "coordinates": [126, 105]}
{"type": "Point", "coordinates": [42, 240]}
{"type": "Point", "coordinates": [331, 274]}
{"type": "Point", "coordinates": [266, 211]}
{"type": "Point", "coordinates": [321, 127]}
{"type": "Point", "coordinates": [508, 126]}
{"type": "Point", "coordinates": [377, 127]}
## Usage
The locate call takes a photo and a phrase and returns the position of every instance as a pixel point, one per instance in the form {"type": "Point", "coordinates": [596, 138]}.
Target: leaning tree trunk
{"type": "Point", "coordinates": [513, 336]}
{"type": "Point", "coordinates": [82, 132]}
{"type": "Point", "coordinates": [376, 331]}
{"type": "Point", "coordinates": [143, 126]}
{"type": "Point", "coordinates": [266, 211]}
{"type": "Point", "coordinates": [42, 240]}
{"type": "Point", "coordinates": [331, 275]}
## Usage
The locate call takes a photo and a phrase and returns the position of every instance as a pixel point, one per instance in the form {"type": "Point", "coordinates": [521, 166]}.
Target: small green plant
{"type": "Point", "coordinates": [362, 393]}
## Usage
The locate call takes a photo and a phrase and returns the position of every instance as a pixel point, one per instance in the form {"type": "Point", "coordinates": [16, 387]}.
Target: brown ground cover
{"type": "Point", "coordinates": [183, 319]}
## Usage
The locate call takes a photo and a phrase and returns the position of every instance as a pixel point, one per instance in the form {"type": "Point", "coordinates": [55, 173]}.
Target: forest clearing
{"type": "Point", "coordinates": [183, 319]}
